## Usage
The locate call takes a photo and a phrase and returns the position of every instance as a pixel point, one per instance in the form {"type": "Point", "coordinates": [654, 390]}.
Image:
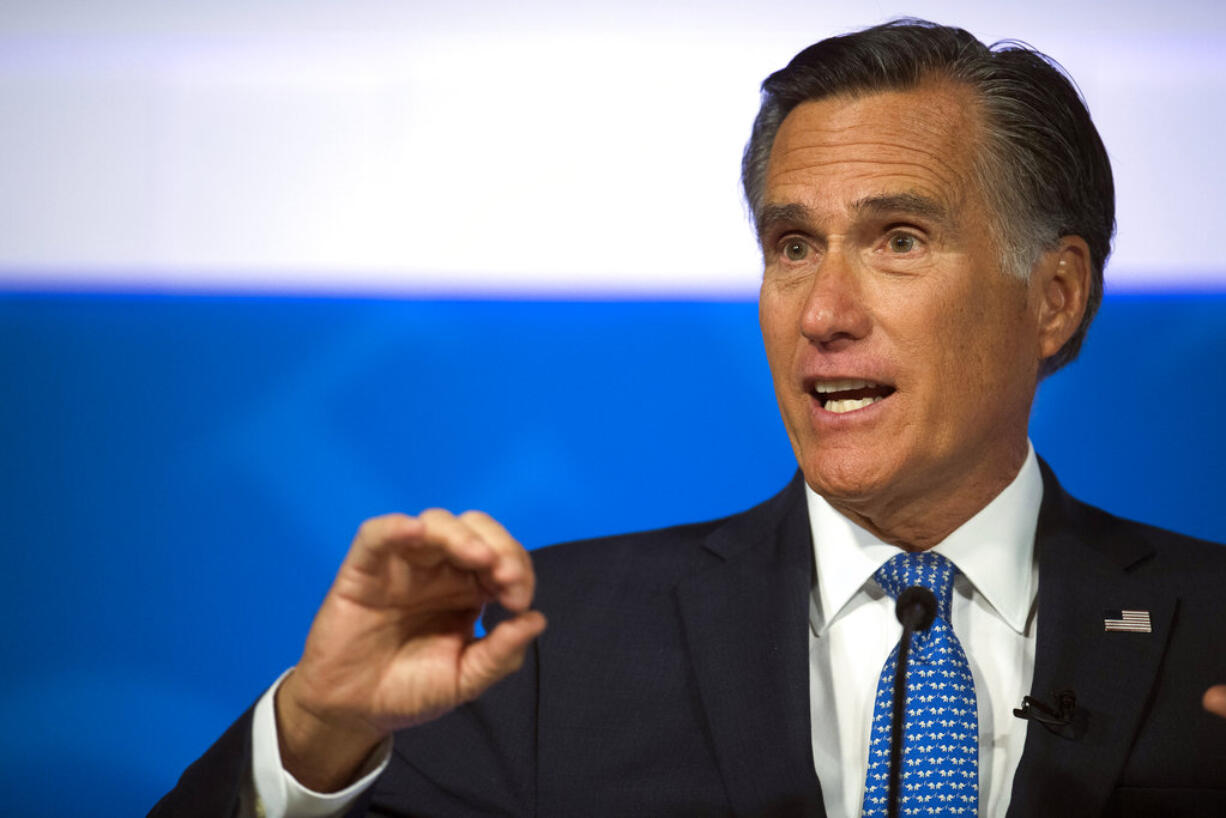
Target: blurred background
{"type": "Point", "coordinates": [269, 268]}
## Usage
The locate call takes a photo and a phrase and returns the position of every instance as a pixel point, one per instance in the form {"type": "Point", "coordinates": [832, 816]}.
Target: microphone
{"type": "Point", "coordinates": [915, 609]}
{"type": "Point", "coordinates": [1064, 719]}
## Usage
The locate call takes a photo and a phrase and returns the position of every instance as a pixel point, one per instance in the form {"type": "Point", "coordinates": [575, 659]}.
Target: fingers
{"type": "Point", "coordinates": [472, 542]}
{"type": "Point", "coordinates": [514, 579]}
{"type": "Point", "coordinates": [501, 564]}
{"type": "Point", "coordinates": [404, 603]}
{"type": "Point", "coordinates": [499, 654]}
{"type": "Point", "coordinates": [1215, 700]}
{"type": "Point", "coordinates": [433, 538]}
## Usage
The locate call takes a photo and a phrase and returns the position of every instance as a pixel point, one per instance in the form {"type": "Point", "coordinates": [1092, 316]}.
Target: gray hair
{"type": "Point", "coordinates": [1041, 164]}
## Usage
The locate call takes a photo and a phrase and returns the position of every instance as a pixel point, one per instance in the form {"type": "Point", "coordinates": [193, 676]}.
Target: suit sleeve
{"type": "Point", "coordinates": [211, 786]}
{"type": "Point", "coordinates": [477, 760]}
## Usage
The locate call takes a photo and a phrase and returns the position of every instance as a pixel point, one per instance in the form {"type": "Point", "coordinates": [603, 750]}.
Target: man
{"type": "Point", "coordinates": [934, 219]}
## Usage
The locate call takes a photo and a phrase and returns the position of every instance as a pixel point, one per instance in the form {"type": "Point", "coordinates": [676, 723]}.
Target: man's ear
{"type": "Point", "coordinates": [1059, 289]}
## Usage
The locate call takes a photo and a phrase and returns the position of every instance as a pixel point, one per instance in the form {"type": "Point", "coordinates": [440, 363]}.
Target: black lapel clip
{"type": "Point", "coordinates": [1064, 719]}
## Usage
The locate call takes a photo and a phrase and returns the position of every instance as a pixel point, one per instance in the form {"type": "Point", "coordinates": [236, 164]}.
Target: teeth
{"type": "Point", "coordinates": [841, 385]}
{"type": "Point", "coordinates": [841, 406]}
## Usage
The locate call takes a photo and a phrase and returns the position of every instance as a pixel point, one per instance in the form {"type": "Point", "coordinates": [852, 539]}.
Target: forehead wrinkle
{"type": "Point", "coordinates": [947, 106]}
{"type": "Point", "coordinates": [904, 193]}
{"type": "Point", "coordinates": [932, 141]}
{"type": "Point", "coordinates": [934, 188]}
{"type": "Point", "coordinates": [899, 132]}
{"type": "Point", "coordinates": [922, 161]}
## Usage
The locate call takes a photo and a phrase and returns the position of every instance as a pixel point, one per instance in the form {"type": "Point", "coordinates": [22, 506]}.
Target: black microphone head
{"type": "Point", "coordinates": [916, 608]}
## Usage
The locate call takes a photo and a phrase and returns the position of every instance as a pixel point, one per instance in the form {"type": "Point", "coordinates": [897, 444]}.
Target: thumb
{"type": "Point", "coordinates": [1215, 700]}
{"type": "Point", "coordinates": [498, 654]}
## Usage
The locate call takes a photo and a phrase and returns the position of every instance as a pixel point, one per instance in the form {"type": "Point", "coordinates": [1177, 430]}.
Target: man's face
{"type": "Point", "coordinates": [904, 359]}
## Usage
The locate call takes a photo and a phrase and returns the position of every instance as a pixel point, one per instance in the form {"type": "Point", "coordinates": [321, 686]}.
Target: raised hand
{"type": "Point", "coordinates": [1215, 700]}
{"type": "Point", "coordinates": [392, 645]}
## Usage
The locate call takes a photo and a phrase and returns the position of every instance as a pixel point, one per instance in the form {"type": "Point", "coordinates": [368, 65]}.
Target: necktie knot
{"type": "Point", "coordinates": [924, 568]}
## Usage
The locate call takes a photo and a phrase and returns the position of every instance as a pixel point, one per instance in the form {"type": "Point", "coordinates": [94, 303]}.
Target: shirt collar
{"type": "Point", "coordinates": [994, 550]}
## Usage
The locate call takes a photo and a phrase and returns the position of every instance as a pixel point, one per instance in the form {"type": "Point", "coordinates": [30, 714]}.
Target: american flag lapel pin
{"type": "Point", "coordinates": [1128, 621]}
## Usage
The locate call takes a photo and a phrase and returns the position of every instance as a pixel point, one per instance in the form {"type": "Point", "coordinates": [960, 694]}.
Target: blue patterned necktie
{"type": "Point", "coordinates": [940, 747]}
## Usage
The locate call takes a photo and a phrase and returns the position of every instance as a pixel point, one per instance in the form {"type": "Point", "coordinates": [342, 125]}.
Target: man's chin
{"type": "Point", "coordinates": [847, 481]}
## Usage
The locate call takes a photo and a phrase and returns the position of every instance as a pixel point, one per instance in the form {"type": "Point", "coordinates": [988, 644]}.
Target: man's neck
{"type": "Point", "coordinates": [920, 522]}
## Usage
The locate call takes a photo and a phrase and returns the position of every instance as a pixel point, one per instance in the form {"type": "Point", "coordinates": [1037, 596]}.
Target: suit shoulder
{"type": "Point", "coordinates": [602, 575]}
{"type": "Point", "coordinates": [659, 556]}
{"type": "Point", "coordinates": [1171, 547]}
{"type": "Point", "coordinates": [653, 549]}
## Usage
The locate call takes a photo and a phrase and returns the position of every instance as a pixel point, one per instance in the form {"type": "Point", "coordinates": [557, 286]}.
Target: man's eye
{"type": "Point", "coordinates": [902, 242]}
{"type": "Point", "coordinates": [795, 250]}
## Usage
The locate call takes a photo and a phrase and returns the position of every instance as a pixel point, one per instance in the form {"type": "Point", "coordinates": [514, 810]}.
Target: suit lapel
{"type": "Point", "coordinates": [1088, 565]}
{"type": "Point", "coordinates": [746, 630]}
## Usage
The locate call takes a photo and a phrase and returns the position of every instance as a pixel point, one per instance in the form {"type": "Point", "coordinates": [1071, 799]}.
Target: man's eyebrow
{"type": "Point", "coordinates": [908, 203]}
{"type": "Point", "coordinates": [773, 215]}
{"type": "Point", "coordinates": [794, 214]}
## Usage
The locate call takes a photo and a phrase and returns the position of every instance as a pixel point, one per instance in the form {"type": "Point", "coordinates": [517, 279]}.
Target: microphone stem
{"type": "Point", "coordinates": [900, 703]}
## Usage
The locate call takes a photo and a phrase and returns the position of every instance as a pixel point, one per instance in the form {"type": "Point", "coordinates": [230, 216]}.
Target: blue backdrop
{"type": "Point", "coordinates": [182, 476]}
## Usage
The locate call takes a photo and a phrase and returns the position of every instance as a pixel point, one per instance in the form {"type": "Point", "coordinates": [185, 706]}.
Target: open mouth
{"type": "Point", "coordinates": [848, 395]}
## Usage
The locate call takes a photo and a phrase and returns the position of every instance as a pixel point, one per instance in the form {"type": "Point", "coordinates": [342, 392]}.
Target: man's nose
{"type": "Point", "coordinates": [835, 313]}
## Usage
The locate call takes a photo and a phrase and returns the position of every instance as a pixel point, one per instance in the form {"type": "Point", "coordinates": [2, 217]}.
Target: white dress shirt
{"type": "Point", "coordinates": [853, 628]}
{"type": "Point", "coordinates": [271, 792]}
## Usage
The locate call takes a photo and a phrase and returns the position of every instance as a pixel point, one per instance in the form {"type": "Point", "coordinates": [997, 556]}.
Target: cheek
{"type": "Point", "coordinates": [957, 348]}
{"type": "Point", "coordinates": [778, 335]}
{"type": "Point", "coordinates": [996, 354]}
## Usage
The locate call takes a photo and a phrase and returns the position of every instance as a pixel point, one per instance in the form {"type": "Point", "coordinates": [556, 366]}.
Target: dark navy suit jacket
{"type": "Point", "coordinates": [673, 680]}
